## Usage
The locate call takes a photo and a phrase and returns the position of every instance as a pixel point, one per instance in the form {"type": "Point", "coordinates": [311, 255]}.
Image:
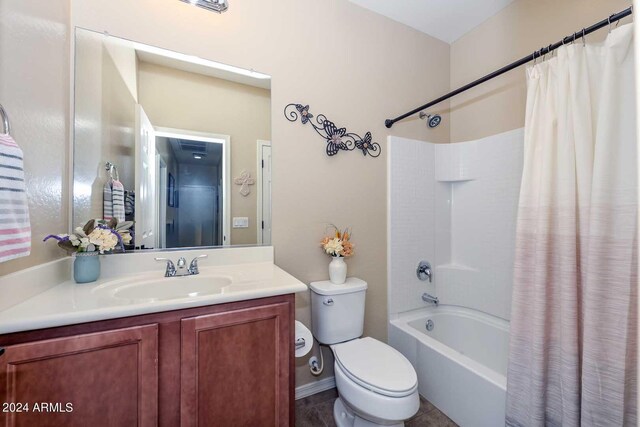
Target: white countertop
{"type": "Point", "coordinates": [70, 303]}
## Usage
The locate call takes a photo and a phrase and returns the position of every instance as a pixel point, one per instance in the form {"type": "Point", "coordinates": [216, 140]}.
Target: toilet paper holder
{"type": "Point", "coordinates": [303, 339]}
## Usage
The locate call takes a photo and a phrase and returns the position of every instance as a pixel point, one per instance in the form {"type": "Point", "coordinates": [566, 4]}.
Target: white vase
{"type": "Point", "coordinates": [337, 270]}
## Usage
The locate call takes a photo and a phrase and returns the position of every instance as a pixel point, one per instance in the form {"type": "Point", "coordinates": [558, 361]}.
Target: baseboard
{"type": "Point", "coordinates": [315, 387]}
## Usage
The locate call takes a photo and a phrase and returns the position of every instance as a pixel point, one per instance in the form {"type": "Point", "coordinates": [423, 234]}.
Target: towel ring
{"type": "Point", "coordinates": [111, 168]}
{"type": "Point", "coordinates": [5, 121]}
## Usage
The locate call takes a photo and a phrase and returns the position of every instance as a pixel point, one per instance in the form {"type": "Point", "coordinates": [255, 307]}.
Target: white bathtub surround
{"type": "Point", "coordinates": [461, 363]}
{"type": "Point", "coordinates": [483, 222]}
{"type": "Point", "coordinates": [245, 273]}
{"type": "Point", "coordinates": [411, 221]}
{"type": "Point", "coordinates": [573, 355]}
{"type": "Point", "coordinates": [455, 206]}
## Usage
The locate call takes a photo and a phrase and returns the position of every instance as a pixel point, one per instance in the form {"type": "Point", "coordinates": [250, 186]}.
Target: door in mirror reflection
{"type": "Point", "coordinates": [264, 192]}
{"type": "Point", "coordinates": [145, 207]}
{"type": "Point", "coordinates": [196, 175]}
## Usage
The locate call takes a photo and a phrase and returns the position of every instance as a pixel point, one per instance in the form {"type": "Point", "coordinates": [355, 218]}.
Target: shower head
{"type": "Point", "coordinates": [433, 120]}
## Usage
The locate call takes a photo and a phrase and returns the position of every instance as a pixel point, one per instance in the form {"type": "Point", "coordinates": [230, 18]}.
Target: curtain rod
{"type": "Point", "coordinates": [605, 22]}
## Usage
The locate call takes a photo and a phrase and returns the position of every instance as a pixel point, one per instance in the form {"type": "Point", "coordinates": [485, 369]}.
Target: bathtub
{"type": "Point", "coordinates": [461, 363]}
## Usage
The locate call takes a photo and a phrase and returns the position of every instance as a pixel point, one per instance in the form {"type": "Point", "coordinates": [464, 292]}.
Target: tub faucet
{"type": "Point", "coordinates": [430, 298]}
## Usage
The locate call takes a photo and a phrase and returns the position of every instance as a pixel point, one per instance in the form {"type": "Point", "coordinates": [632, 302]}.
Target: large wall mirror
{"type": "Point", "coordinates": [176, 143]}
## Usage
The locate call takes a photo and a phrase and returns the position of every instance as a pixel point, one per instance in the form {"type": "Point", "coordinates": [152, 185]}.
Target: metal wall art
{"type": "Point", "coordinates": [336, 138]}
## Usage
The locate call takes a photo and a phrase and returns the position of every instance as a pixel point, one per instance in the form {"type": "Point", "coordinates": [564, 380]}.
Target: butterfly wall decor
{"type": "Point", "coordinates": [336, 138]}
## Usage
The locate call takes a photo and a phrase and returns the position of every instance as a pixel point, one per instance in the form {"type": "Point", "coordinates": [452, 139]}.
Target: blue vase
{"type": "Point", "coordinates": [86, 267]}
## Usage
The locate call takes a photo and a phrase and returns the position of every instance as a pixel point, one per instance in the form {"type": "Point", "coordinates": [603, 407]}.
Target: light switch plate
{"type": "Point", "coordinates": [240, 222]}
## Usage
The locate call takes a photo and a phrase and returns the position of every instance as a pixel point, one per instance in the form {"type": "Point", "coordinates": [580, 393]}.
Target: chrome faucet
{"type": "Point", "coordinates": [179, 269]}
{"type": "Point", "coordinates": [430, 298]}
{"type": "Point", "coordinates": [193, 265]}
{"type": "Point", "coordinates": [171, 268]}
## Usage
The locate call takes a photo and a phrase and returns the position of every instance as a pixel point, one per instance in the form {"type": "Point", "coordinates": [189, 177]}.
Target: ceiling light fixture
{"type": "Point", "coordinates": [218, 6]}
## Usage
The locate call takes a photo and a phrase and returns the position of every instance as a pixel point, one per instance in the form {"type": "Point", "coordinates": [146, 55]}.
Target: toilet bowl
{"type": "Point", "coordinates": [377, 385]}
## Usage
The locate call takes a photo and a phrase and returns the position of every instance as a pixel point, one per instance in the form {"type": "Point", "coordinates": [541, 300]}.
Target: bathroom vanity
{"type": "Point", "coordinates": [135, 347]}
{"type": "Point", "coordinates": [213, 365]}
{"type": "Point", "coordinates": [221, 359]}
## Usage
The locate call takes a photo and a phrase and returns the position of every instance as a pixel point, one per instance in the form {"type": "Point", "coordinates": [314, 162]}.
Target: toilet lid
{"type": "Point", "coordinates": [376, 366]}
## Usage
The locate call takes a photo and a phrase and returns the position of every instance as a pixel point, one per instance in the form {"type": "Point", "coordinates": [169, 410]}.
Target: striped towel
{"type": "Point", "coordinates": [113, 200]}
{"type": "Point", "coordinates": [107, 201]}
{"type": "Point", "coordinates": [129, 203]}
{"type": "Point", "coordinates": [118, 200]}
{"type": "Point", "coordinates": [15, 228]}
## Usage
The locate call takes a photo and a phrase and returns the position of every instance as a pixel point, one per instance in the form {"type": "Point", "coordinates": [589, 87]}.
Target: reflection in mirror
{"type": "Point", "coordinates": [159, 138]}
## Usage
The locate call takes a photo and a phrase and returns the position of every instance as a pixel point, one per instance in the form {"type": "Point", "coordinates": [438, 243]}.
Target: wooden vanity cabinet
{"type": "Point", "coordinates": [235, 368]}
{"type": "Point", "coordinates": [105, 378]}
{"type": "Point", "coordinates": [221, 365]}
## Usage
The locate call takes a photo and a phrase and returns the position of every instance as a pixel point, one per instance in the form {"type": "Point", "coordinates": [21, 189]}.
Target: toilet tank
{"type": "Point", "coordinates": [337, 311]}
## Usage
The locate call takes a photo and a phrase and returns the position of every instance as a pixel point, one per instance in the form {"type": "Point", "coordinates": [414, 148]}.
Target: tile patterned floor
{"type": "Point", "coordinates": [317, 411]}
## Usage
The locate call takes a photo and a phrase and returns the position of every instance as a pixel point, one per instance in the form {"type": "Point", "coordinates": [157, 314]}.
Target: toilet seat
{"type": "Point", "coordinates": [376, 366]}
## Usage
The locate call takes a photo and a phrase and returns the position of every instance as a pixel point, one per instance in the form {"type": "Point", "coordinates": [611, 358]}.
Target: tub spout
{"type": "Point", "coordinates": [430, 298]}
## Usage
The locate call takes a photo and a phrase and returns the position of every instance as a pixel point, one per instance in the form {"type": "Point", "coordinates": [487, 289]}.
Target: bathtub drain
{"type": "Point", "coordinates": [429, 325]}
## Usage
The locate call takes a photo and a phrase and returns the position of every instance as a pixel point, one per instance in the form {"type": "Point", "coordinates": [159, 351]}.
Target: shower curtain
{"type": "Point", "coordinates": [573, 339]}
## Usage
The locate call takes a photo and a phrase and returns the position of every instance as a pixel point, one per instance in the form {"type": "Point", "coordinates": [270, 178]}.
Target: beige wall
{"type": "Point", "coordinates": [34, 89]}
{"type": "Point", "coordinates": [124, 59]}
{"type": "Point", "coordinates": [521, 28]}
{"type": "Point", "coordinates": [353, 65]}
{"type": "Point", "coordinates": [182, 100]}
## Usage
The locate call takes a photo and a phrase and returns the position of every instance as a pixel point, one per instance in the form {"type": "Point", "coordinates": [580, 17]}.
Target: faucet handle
{"type": "Point", "coordinates": [168, 260]}
{"type": "Point", "coordinates": [171, 268]}
{"type": "Point", "coordinates": [424, 271]}
{"type": "Point", "coordinates": [193, 266]}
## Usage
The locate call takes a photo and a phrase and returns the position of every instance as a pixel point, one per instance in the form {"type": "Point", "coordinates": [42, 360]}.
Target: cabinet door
{"type": "Point", "coordinates": [106, 378]}
{"type": "Point", "coordinates": [235, 368]}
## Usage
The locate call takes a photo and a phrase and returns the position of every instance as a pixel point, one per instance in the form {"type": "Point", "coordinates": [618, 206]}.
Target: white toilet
{"type": "Point", "coordinates": [376, 383]}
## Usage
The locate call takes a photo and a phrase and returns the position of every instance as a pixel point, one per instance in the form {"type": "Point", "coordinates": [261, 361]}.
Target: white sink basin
{"type": "Point", "coordinates": [133, 284]}
{"type": "Point", "coordinates": [149, 289]}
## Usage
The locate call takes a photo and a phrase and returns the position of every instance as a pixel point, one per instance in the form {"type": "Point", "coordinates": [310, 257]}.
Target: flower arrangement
{"type": "Point", "coordinates": [96, 235]}
{"type": "Point", "coordinates": [338, 244]}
